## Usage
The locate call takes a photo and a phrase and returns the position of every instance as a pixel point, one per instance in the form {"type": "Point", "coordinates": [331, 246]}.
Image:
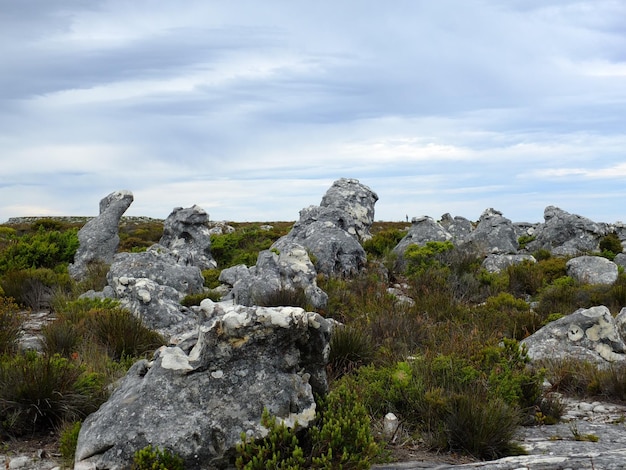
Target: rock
{"type": "Point", "coordinates": [592, 270]}
{"type": "Point", "coordinates": [285, 268]}
{"type": "Point", "coordinates": [198, 404]}
{"type": "Point", "coordinates": [494, 234]}
{"type": "Point", "coordinates": [458, 227]}
{"type": "Point", "coordinates": [567, 234]}
{"type": "Point", "coordinates": [357, 200]}
{"type": "Point", "coordinates": [423, 230]}
{"type": "Point", "coordinates": [151, 284]}
{"type": "Point", "coordinates": [186, 235]}
{"type": "Point", "coordinates": [587, 334]}
{"type": "Point", "coordinates": [99, 239]}
{"type": "Point", "coordinates": [220, 228]}
{"type": "Point", "coordinates": [329, 235]}
{"type": "Point", "coordinates": [498, 263]}
{"type": "Point", "coordinates": [620, 260]}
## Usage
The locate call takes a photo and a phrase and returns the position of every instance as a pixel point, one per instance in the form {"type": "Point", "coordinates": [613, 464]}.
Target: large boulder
{"type": "Point", "coordinates": [498, 263]}
{"type": "Point", "coordinates": [590, 334]}
{"type": "Point", "coordinates": [151, 285]}
{"type": "Point", "coordinates": [331, 233]}
{"type": "Point", "coordinates": [494, 234]}
{"type": "Point", "coordinates": [592, 270]}
{"type": "Point", "coordinates": [198, 403]}
{"type": "Point", "coordinates": [98, 238]}
{"type": "Point", "coordinates": [356, 199]}
{"type": "Point", "coordinates": [277, 273]}
{"type": "Point", "coordinates": [459, 227]}
{"type": "Point", "coordinates": [186, 234]}
{"type": "Point", "coordinates": [423, 230]}
{"type": "Point", "coordinates": [567, 234]}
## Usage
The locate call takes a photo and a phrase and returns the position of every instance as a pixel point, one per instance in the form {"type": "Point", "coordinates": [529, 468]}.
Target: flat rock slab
{"type": "Point", "coordinates": [555, 447]}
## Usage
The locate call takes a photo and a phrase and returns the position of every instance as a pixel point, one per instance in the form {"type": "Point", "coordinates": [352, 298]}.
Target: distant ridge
{"type": "Point", "coordinates": [75, 219]}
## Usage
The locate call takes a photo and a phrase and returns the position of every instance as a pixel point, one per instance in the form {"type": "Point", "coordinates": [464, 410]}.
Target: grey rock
{"type": "Point", "coordinates": [99, 238]}
{"type": "Point", "coordinates": [498, 263]}
{"type": "Point", "coordinates": [620, 260]}
{"type": "Point", "coordinates": [494, 234]}
{"type": "Point", "coordinates": [458, 227]}
{"type": "Point", "coordinates": [198, 404]}
{"type": "Point", "coordinates": [355, 198]}
{"type": "Point", "coordinates": [233, 274]}
{"type": "Point", "coordinates": [587, 334]}
{"type": "Point", "coordinates": [423, 230]}
{"type": "Point", "coordinates": [592, 270]}
{"type": "Point", "coordinates": [567, 234]}
{"type": "Point", "coordinates": [186, 234]}
{"type": "Point", "coordinates": [288, 270]}
{"type": "Point", "coordinates": [220, 228]}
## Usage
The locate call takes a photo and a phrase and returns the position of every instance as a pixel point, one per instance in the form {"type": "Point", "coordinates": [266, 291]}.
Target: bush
{"type": "Point", "coordinates": [243, 245]}
{"type": "Point", "coordinates": [383, 242]}
{"type": "Point", "coordinates": [194, 299]}
{"type": "Point", "coordinates": [283, 297]}
{"type": "Point", "coordinates": [121, 333]}
{"type": "Point", "coordinates": [38, 392]}
{"type": "Point", "coordinates": [419, 258]}
{"type": "Point", "coordinates": [34, 288]}
{"type": "Point", "coordinates": [349, 348]}
{"type": "Point", "coordinates": [211, 278]}
{"type": "Point", "coordinates": [611, 245]}
{"type": "Point", "coordinates": [150, 458]}
{"type": "Point", "coordinates": [10, 325]}
{"type": "Point", "coordinates": [68, 441]}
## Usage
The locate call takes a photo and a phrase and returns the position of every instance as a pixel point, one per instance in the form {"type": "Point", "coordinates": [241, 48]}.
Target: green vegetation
{"type": "Point", "coordinates": [425, 359]}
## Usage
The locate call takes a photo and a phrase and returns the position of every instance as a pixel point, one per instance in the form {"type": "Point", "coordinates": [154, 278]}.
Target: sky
{"type": "Point", "coordinates": [251, 109]}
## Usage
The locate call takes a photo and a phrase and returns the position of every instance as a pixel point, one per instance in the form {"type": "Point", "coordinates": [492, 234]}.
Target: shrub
{"type": "Point", "coordinates": [211, 278]}
{"type": "Point", "coordinates": [10, 324]}
{"type": "Point", "coordinates": [349, 348]}
{"type": "Point", "coordinates": [150, 458]}
{"type": "Point", "coordinates": [419, 258]}
{"type": "Point", "coordinates": [610, 245]}
{"type": "Point", "coordinates": [121, 333]}
{"type": "Point", "coordinates": [34, 288]}
{"type": "Point", "coordinates": [61, 337]}
{"type": "Point", "coordinates": [67, 442]}
{"type": "Point", "coordinates": [525, 240]}
{"type": "Point", "coordinates": [243, 245]}
{"type": "Point", "coordinates": [283, 297]}
{"type": "Point", "coordinates": [383, 242]}
{"type": "Point", "coordinates": [38, 392]}
{"type": "Point", "coordinates": [194, 299]}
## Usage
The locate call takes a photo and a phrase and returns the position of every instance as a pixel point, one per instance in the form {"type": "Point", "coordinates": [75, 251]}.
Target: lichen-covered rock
{"type": "Point", "coordinates": [498, 263]}
{"type": "Point", "coordinates": [494, 234]}
{"type": "Point", "coordinates": [99, 238]}
{"type": "Point", "coordinates": [587, 334]}
{"type": "Point", "coordinates": [459, 227]}
{"type": "Point", "coordinates": [187, 236]}
{"type": "Point", "coordinates": [592, 270]}
{"type": "Point", "coordinates": [423, 230]}
{"type": "Point", "coordinates": [198, 404]}
{"type": "Point", "coordinates": [353, 197]}
{"type": "Point", "coordinates": [285, 268]}
{"type": "Point", "coordinates": [567, 234]}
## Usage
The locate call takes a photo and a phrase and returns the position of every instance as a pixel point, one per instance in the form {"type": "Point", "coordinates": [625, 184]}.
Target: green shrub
{"type": "Point", "coordinates": [194, 299]}
{"type": "Point", "coordinates": [150, 458]}
{"type": "Point", "coordinates": [280, 449]}
{"type": "Point", "coordinates": [10, 324]}
{"type": "Point", "coordinates": [283, 297]}
{"type": "Point", "coordinates": [61, 337]}
{"type": "Point", "coordinates": [340, 438]}
{"type": "Point", "coordinates": [525, 240]}
{"type": "Point", "coordinates": [211, 278]}
{"type": "Point", "coordinates": [610, 245]}
{"type": "Point", "coordinates": [243, 245]}
{"type": "Point", "coordinates": [34, 288]}
{"type": "Point", "coordinates": [38, 392]}
{"type": "Point", "coordinates": [42, 249]}
{"type": "Point", "coordinates": [67, 442]}
{"type": "Point", "coordinates": [121, 333]}
{"type": "Point", "coordinates": [349, 348]}
{"type": "Point", "coordinates": [383, 242]}
{"type": "Point", "coordinates": [419, 258]}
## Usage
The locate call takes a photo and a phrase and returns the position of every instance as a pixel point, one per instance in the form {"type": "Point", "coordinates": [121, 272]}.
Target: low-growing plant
{"type": "Point", "coordinates": [211, 278]}
{"type": "Point", "coordinates": [610, 245]}
{"type": "Point", "coordinates": [283, 297]}
{"type": "Point", "coordinates": [10, 324]}
{"type": "Point", "coordinates": [38, 392]}
{"type": "Point", "coordinates": [34, 287]}
{"type": "Point", "coordinates": [350, 348]}
{"type": "Point", "coordinates": [61, 337]}
{"type": "Point", "coordinates": [67, 442]}
{"type": "Point", "coordinates": [154, 458]}
{"type": "Point", "coordinates": [194, 299]}
{"type": "Point", "coordinates": [383, 242]}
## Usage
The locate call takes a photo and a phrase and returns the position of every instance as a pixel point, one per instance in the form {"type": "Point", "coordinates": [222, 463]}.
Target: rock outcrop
{"type": "Point", "coordinates": [331, 233]}
{"type": "Point", "coordinates": [423, 230]}
{"type": "Point", "coordinates": [592, 270]}
{"type": "Point", "coordinates": [186, 234]}
{"type": "Point", "coordinates": [590, 334]}
{"type": "Point", "coordinates": [567, 234]}
{"type": "Point", "coordinates": [99, 238]}
{"type": "Point", "coordinates": [494, 234]}
{"type": "Point", "coordinates": [197, 403]}
{"type": "Point", "coordinates": [497, 263]}
{"type": "Point", "coordinates": [278, 273]}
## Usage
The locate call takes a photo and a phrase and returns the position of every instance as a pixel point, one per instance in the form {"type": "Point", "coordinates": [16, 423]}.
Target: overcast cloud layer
{"type": "Point", "coordinates": [251, 109]}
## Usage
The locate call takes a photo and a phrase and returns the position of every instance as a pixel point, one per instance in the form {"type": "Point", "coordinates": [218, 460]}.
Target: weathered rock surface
{"type": "Point", "coordinates": [289, 270]}
{"type": "Point", "coordinates": [590, 334]}
{"type": "Point", "coordinates": [459, 227]}
{"type": "Point", "coordinates": [567, 234]}
{"type": "Point", "coordinates": [151, 284]}
{"type": "Point", "coordinates": [198, 404]}
{"type": "Point", "coordinates": [99, 237]}
{"type": "Point", "coordinates": [497, 263]}
{"type": "Point", "coordinates": [186, 234]}
{"type": "Point", "coordinates": [592, 270]}
{"type": "Point", "coordinates": [423, 230]}
{"type": "Point", "coordinates": [331, 232]}
{"type": "Point", "coordinates": [350, 196]}
{"type": "Point", "coordinates": [494, 233]}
